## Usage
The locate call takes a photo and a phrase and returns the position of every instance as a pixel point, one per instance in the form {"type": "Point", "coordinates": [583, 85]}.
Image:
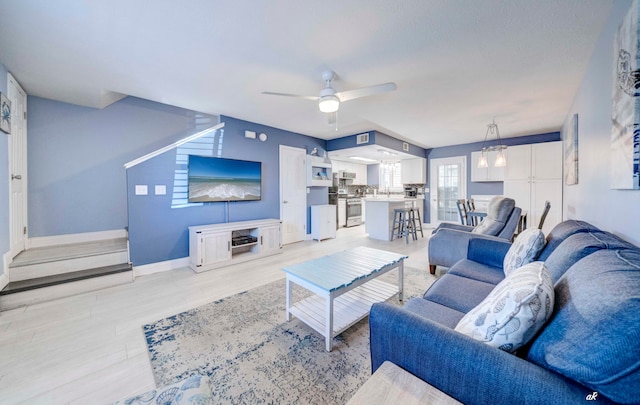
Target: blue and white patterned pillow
{"type": "Point", "coordinates": [524, 249]}
{"type": "Point", "coordinates": [514, 311]}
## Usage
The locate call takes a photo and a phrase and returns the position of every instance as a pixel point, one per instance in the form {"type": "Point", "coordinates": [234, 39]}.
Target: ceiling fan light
{"type": "Point", "coordinates": [329, 104]}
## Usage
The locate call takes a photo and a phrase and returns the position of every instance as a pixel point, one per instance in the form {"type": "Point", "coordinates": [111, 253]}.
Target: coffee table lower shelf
{"type": "Point", "coordinates": [348, 308]}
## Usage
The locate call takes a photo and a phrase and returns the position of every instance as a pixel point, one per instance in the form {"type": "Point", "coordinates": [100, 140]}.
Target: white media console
{"type": "Point", "coordinates": [219, 245]}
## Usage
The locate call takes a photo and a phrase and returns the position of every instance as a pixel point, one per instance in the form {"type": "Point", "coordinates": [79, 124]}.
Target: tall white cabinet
{"type": "Point", "coordinates": [532, 176]}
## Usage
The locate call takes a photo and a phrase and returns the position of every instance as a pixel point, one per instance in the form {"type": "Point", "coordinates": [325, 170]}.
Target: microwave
{"type": "Point", "coordinates": [346, 175]}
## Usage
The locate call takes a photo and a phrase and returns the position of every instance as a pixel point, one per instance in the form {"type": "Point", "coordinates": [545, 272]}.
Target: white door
{"type": "Point", "coordinates": [293, 197]}
{"type": "Point", "coordinates": [17, 166]}
{"type": "Point", "coordinates": [447, 183]}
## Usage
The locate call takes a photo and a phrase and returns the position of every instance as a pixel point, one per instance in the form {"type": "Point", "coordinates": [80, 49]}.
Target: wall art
{"type": "Point", "coordinates": [625, 113]}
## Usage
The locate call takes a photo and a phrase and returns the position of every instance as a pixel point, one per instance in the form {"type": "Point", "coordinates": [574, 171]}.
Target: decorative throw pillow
{"type": "Point", "coordinates": [524, 249]}
{"type": "Point", "coordinates": [514, 311]}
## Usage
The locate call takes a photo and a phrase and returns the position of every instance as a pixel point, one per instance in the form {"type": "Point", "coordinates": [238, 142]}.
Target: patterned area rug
{"type": "Point", "coordinates": [252, 355]}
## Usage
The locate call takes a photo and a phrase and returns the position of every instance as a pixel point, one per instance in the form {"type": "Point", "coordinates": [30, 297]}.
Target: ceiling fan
{"type": "Point", "coordinates": [329, 100]}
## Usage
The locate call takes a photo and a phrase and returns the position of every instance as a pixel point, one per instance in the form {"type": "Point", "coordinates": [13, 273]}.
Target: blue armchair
{"type": "Point", "coordinates": [449, 242]}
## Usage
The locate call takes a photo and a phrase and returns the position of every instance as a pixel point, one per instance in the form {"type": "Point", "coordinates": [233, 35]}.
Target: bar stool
{"type": "Point", "coordinates": [403, 224]}
{"type": "Point", "coordinates": [417, 227]}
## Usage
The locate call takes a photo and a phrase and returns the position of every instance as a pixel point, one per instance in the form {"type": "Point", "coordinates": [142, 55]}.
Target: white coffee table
{"type": "Point", "coordinates": [345, 288]}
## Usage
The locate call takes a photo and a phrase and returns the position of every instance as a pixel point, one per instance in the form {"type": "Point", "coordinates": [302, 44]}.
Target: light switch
{"type": "Point", "coordinates": [141, 189]}
{"type": "Point", "coordinates": [250, 134]}
{"type": "Point", "coordinates": [161, 190]}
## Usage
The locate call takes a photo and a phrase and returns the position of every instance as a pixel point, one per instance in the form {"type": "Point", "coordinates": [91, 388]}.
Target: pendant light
{"type": "Point", "coordinates": [501, 160]}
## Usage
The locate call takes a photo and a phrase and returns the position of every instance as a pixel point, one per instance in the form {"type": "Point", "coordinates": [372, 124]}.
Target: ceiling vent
{"type": "Point", "coordinates": [405, 146]}
{"type": "Point", "coordinates": [362, 138]}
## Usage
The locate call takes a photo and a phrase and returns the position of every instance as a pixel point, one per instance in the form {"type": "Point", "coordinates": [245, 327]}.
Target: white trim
{"type": "Point", "coordinates": [75, 238]}
{"type": "Point", "coordinates": [158, 267]}
{"type": "Point", "coordinates": [173, 146]}
{"type": "Point", "coordinates": [4, 275]}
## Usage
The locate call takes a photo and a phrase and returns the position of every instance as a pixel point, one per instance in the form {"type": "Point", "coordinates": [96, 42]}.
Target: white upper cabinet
{"type": "Point", "coordinates": [414, 171]}
{"type": "Point", "coordinates": [358, 169]}
{"type": "Point", "coordinates": [490, 173]}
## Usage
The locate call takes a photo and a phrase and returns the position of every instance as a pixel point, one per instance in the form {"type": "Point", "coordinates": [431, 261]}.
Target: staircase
{"type": "Point", "coordinates": [51, 272]}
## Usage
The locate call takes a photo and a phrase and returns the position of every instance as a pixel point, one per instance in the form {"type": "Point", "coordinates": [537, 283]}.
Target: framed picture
{"type": "Point", "coordinates": [625, 112]}
{"type": "Point", "coordinates": [5, 114]}
{"type": "Point", "coordinates": [570, 138]}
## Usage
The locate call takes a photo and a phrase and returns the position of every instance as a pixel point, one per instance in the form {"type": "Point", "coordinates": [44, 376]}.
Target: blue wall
{"type": "Point", "coordinates": [158, 224]}
{"type": "Point", "coordinates": [4, 175]}
{"type": "Point", "coordinates": [76, 156]}
{"type": "Point", "coordinates": [466, 149]}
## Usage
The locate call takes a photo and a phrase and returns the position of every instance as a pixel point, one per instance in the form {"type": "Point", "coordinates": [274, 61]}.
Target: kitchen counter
{"type": "Point", "coordinates": [379, 214]}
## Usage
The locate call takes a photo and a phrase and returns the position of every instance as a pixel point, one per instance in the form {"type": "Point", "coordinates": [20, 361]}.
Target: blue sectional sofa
{"type": "Point", "coordinates": [589, 348]}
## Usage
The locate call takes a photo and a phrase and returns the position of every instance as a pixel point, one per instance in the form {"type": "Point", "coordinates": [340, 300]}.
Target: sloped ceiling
{"type": "Point", "coordinates": [458, 64]}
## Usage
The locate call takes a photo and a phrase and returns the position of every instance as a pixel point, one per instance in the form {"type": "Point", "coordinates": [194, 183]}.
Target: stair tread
{"type": "Point", "coordinates": [47, 281]}
{"type": "Point", "coordinates": [49, 254]}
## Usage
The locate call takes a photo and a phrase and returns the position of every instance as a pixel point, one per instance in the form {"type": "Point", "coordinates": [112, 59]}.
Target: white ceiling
{"type": "Point", "coordinates": [457, 63]}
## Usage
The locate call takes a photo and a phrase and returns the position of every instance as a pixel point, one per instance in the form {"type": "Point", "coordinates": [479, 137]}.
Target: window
{"type": "Point", "coordinates": [390, 177]}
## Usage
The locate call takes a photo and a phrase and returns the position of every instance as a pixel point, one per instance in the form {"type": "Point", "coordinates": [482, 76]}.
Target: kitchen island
{"type": "Point", "coordinates": [379, 214]}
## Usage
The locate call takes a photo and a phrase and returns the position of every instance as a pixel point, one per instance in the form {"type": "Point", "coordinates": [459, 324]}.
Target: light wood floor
{"type": "Point", "coordinates": [90, 349]}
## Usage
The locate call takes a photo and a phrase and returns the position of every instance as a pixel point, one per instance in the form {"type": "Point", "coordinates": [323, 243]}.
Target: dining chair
{"type": "Point", "coordinates": [462, 211]}
{"type": "Point", "coordinates": [471, 206]}
{"type": "Point", "coordinates": [547, 207]}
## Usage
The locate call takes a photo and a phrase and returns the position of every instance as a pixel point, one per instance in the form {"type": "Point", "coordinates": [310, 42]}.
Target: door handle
{"type": "Point", "coordinates": [16, 177]}
{"type": "Point", "coordinates": [285, 201]}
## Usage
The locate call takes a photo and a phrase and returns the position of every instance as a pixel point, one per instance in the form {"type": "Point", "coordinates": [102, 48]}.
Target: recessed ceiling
{"type": "Point", "coordinates": [457, 64]}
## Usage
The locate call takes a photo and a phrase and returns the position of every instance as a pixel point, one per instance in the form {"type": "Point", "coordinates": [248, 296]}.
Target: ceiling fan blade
{"type": "Point", "coordinates": [366, 91]}
{"type": "Point", "coordinates": [312, 98]}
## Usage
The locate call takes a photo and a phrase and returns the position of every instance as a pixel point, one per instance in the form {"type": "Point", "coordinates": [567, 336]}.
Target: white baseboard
{"type": "Point", "coordinates": [159, 267]}
{"type": "Point", "coordinates": [75, 238]}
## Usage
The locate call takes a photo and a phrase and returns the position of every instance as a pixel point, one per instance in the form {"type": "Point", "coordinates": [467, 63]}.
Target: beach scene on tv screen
{"type": "Point", "coordinates": [217, 179]}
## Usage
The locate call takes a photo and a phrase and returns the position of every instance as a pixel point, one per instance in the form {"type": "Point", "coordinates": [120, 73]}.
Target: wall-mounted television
{"type": "Point", "coordinates": [216, 179]}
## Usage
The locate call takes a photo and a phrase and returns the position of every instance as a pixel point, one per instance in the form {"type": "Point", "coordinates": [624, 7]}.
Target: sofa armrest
{"type": "Point", "coordinates": [448, 246]}
{"type": "Point", "coordinates": [488, 251]}
{"type": "Point", "coordinates": [468, 370]}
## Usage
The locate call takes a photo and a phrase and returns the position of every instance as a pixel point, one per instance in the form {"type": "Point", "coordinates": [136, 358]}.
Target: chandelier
{"type": "Point", "coordinates": [501, 160]}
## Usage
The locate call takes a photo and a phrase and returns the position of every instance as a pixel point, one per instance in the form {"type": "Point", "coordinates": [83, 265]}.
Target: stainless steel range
{"type": "Point", "coordinates": [354, 211]}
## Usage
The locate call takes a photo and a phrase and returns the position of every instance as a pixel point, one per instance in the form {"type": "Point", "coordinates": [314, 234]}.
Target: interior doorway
{"type": "Point", "coordinates": [17, 167]}
{"type": "Point", "coordinates": [293, 196]}
{"type": "Point", "coordinates": [448, 182]}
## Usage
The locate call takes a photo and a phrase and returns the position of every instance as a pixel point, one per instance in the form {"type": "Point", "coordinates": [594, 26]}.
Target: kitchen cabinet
{"type": "Point", "coordinates": [413, 171]}
{"type": "Point", "coordinates": [490, 173]}
{"type": "Point", "coordinates": [323, 222]}
{"type": "Point", "coordinates": [217, 245]}
{"type": "Point", "coordinates": [358, 169]}
{"type": "Point", "coordinates": [533, 175]}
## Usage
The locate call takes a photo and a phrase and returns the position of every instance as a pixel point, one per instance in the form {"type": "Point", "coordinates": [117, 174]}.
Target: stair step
{"type": "Point", "coordinates": [48, 254]}
{"type": "Point", "coordinates": [47, 281]}
{"type": "Point", "coordinates": [32, 291]}
{"type": "Point", "coordinates": [63, 259]}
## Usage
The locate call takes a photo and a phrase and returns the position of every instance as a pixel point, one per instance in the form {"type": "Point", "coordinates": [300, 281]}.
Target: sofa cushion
{"type": "Point", "coordinates": [514, 311]}
{"type": "Point", "coordinates": [477, 271]}
{"type": "Point", "coordinates": [561, 231]}
{"type": "Point", "coordinates": [431, 310]}
{"type": "Point", "coordinates": [524, 250]}
{"type": "Point", "coordinates": [579, 245]}
{"type": "Point", "coordinates": [594, 332]}
{"type": "Point", "coordinates": [459, 293]}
